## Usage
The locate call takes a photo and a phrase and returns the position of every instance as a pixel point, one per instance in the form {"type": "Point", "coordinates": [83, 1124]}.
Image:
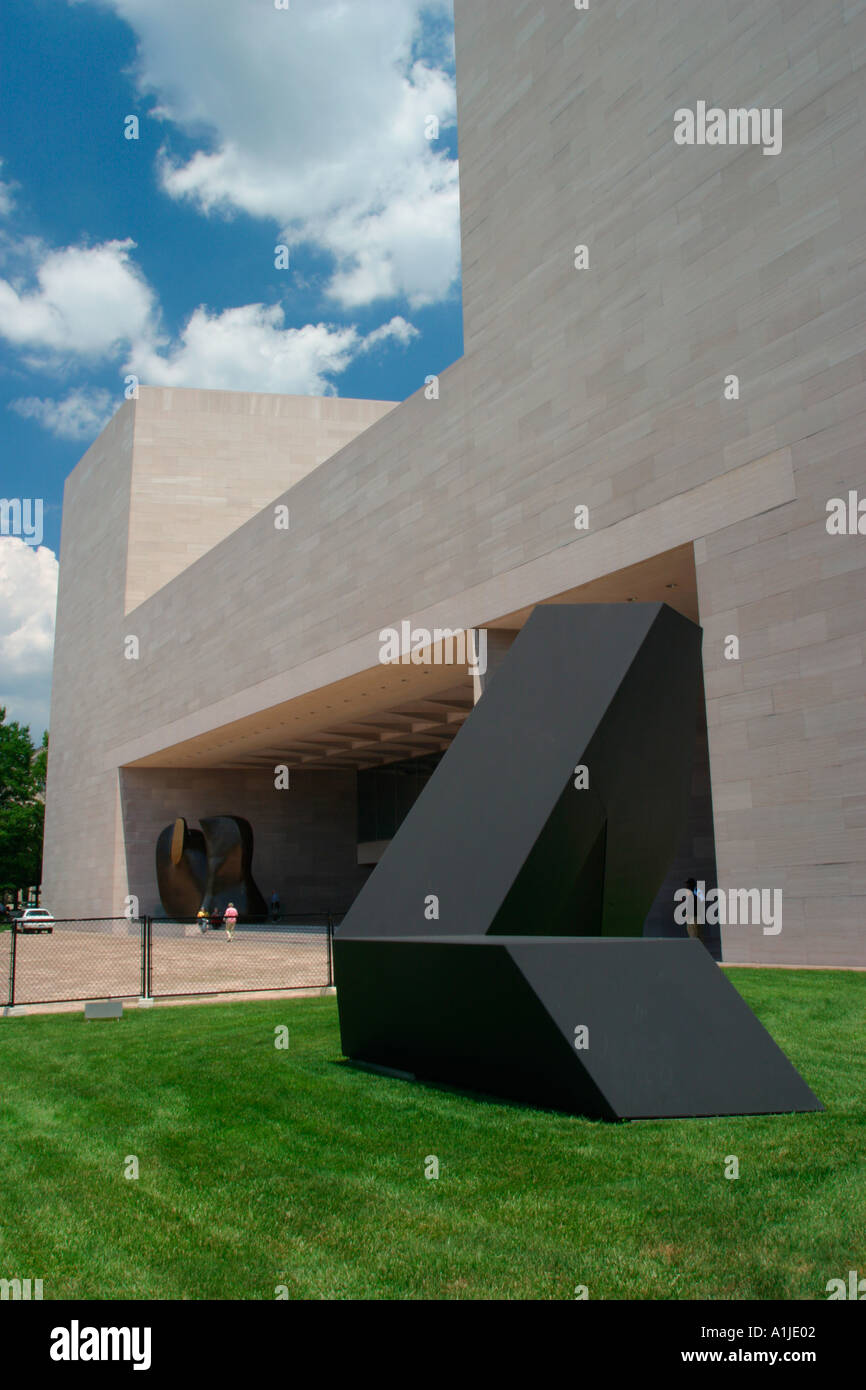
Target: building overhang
{"type": "Point", "coordinates": [344, 708]}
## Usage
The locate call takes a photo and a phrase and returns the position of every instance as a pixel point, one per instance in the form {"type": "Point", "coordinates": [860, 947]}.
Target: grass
{"type": "Point", "coordinates": [260, 1167]}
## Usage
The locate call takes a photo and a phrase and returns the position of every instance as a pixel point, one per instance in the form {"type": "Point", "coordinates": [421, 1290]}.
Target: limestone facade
{"type": "Point", "coordinates": [603, 387]}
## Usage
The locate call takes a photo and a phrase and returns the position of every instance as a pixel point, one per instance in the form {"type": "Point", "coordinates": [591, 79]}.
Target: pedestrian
{"type": "Point", "coordinates": [230, 917]}
{"type": "Point", "coordinates": [275, 906]}
{"type": "Point", "coordinates": [203, 918]}
{"type": "Point", "coordinates": [693, 926]}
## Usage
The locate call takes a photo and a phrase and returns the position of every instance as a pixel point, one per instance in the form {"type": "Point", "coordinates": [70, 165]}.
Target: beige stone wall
{"type": "Point", "coordinates": [605, 387]}
{"type": "Point", "coordinates": [206, 461]}
{"type": "Point", "coordinates": [787, 721]}
{"type": "Point", "coordinates": [82, 853]}
{"type": "Point", "coordinates": [168, 477]}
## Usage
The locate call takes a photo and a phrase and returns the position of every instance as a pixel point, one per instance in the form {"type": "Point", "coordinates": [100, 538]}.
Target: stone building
{"type": "Point", "coordinates": [693, 378]}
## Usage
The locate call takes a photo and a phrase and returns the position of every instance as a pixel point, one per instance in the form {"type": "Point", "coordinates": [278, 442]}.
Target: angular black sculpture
{"type": "Point", "coordinates": [208, 868]}
{"type": "Point", "coordinates": [498, 945]}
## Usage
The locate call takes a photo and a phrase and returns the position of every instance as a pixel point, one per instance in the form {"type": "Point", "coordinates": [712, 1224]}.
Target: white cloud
{"type": "Point", "coordinates": [7, 198]}
{"type": "Point", "coordinates": [249, 349]}
{"type": "Point", "coordinates": [87, 301]}
{"type": "Point", "coordinates": [28, 597]}
{"type": "Point", "coordinates": [397, 330]}
{"type": "Point", "coordinates": [93, 303]}
{"type": "Point", "coordinates": [80, 415]}
{"type": "Point", "coordinates": [84, 305]}
{"type": "Point", "coordinates": [314, 118]}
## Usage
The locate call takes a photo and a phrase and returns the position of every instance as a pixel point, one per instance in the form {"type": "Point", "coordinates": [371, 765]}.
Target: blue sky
{"type": "Point", "coordinates": [257, 127]}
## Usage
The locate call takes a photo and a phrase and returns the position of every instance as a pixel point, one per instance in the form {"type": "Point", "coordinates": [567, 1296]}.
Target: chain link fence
{"type": "Point", "coordinates": [160, 958]}
{"type": "Point", "coordinates": [188, 958]}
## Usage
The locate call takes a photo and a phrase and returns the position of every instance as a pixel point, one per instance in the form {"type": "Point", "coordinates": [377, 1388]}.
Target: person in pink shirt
{"type": "Point", "coordinates": [230, 917]}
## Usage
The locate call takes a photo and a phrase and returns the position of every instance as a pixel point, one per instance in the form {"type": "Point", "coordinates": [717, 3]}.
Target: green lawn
{"type": "Point", "coordinates": [261, 1167]}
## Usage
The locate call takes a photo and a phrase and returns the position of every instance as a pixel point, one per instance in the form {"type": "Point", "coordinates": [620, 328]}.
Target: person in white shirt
{"type": "Point", "coordinates": [230, 917]}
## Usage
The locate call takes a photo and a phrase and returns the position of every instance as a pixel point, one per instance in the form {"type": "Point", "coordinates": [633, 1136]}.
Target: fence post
{"type": "Point", "coordinates": [12, 966]}
{"type": "Point", "coordinates": [146, 971]}
{"type": "Point", "coordinates": [330, 955]}
{"type": "Point", "coordinates": [142, 974]}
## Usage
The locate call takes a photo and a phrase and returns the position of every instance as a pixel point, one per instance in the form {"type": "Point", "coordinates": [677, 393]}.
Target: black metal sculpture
{"type": "Point", "coordinates": [208, 868]}
{"type": "Point", "coordinates": [498, 942]}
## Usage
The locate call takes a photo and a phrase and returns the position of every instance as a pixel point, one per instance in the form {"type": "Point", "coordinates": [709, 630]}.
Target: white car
{"type": "Point", "coordinates": [35, 919]}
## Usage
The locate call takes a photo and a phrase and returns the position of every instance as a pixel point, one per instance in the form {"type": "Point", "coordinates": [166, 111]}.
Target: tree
{"type": "Point", "coordinates": [22, 805]}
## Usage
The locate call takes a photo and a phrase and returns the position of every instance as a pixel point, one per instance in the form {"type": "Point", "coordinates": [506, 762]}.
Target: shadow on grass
{"type": "Point", "coordinates": [464, 1092]}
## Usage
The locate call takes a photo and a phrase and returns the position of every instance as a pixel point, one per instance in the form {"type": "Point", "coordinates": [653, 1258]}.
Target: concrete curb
{"type": "Point", "coordinates": [77, 1005]}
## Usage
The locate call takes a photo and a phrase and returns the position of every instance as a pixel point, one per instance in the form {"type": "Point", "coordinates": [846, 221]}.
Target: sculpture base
{"type": "Point", "coordinates": [610, 1028]}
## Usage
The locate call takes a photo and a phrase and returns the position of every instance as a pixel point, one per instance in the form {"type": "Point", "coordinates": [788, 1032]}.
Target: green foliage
{"type": "Point", "coordinates": [261, 1167]}
{"type": "Point", "coordinates": [22, 809]}
{"type": "Point", "coordinates": [40, 765]}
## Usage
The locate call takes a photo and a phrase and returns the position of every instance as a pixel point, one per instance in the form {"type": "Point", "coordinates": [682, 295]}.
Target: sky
{"type": "Point", "coordinates": [305, 127]}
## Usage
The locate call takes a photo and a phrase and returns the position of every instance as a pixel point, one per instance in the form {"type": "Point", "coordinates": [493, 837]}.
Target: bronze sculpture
{"type": "Point", "coordinates": [208, 868]}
